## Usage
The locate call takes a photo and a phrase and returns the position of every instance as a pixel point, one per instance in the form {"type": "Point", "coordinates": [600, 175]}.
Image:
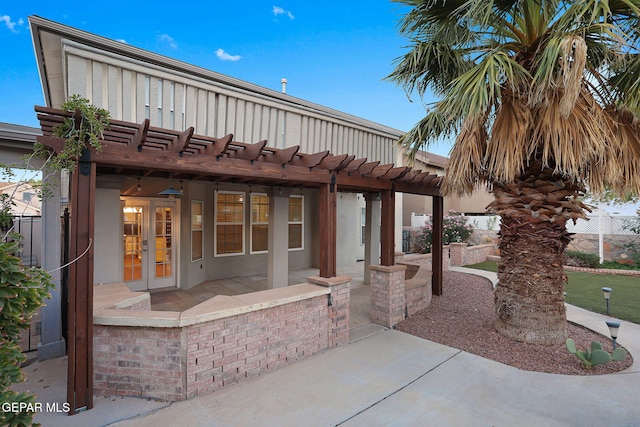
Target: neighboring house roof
{"type": "Point", "coordinates": [48, 35]}
{"type": "Point", "coordinates": [432, 159]}
{"type": "Point", "coordinates": [18, 136]}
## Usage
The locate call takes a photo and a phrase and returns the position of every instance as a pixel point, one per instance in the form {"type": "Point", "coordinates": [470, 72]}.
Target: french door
{"type": "Point", "coordinates": [149, 243]}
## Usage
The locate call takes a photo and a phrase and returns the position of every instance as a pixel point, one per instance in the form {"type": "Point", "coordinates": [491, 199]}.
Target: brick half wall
{"type": "Point", "coordinates": [176, 356]}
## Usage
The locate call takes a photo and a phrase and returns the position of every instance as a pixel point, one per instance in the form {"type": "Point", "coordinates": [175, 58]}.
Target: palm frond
{"type": "Point", "coordinates": [434, 125]}
{"type": "Point", "coordinates": [466, 161]}
{"type": "Point", "coordinates": [507, 151]}
{"type": "Point", "coordinates": [570, 144]}
{"type": "Point", "coordinates": [474, 92]}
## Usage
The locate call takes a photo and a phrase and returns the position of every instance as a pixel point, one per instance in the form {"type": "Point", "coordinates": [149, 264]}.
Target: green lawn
{"type": "Point", "coordinates": [583, 290]}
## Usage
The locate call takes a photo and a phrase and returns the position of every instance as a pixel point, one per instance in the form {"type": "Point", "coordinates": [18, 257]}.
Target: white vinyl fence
{"type": "Point", "coordinates": [610, 224]}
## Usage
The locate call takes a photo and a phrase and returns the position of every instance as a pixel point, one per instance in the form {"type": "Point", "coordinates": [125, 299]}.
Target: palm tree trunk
{"type": "Point", "coordinates": [529, 299]}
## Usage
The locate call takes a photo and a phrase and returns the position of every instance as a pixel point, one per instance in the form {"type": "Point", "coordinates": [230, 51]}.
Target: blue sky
{"type": "Point", "coordinates": [334, 53]}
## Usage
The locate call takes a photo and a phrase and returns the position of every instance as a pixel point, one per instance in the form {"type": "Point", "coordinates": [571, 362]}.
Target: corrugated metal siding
{"type": "Point", "coordinates": [132, 92]}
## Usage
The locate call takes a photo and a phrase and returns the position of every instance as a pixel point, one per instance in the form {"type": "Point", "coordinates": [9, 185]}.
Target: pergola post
{"type": "Point", "coordinates": [387, 228]}
{"type": "Point", "coordinates": [328, 203]}
{"type": "Point", "coordinates": [436, 246]}
{"type": "Point", "coordinates": [80, 313]}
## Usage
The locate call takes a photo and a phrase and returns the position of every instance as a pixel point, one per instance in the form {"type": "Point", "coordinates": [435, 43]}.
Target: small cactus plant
{"type": "Point", "coordinates": [596, 355]}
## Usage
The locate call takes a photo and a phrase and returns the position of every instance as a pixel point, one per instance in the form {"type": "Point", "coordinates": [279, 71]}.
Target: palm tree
{"type": "Point", "coordinates": [543, 99]}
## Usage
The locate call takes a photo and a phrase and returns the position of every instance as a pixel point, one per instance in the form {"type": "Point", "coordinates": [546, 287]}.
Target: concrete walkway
{"type": "Point", "coordinates": [387, 378]}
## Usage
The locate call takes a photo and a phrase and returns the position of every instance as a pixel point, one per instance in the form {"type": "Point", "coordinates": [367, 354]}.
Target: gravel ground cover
{"type": "Point", "coordinates": [463, 318]}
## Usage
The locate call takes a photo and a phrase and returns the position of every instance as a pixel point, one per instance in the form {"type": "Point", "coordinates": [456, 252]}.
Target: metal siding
{"type": "Point", "coordinates": [230, 116]}
{"type": "Point", "coordinates": [153, 102]}
{"type": "Point", "coordinates": [76, 75]}
{"type": "Point", "coordinates": [166, 103]}
{"type": "Point", "coordinates": [240, 117]}
{"type": "Point", "coordinates": [215, 111]}
{"type": "Point", "coordinates": [139, 90]}
{"type": "Point", "coordinates": [212, 111]}
{"type": "Point", "coordinates": [265, 122]}
{"type": "Point", "coordinates": [221, 119]}
{"type": "Point", "coordinates": [115, 92]}
{"type": "Point", "coordinates": [201, 113]}
{"type": "Point", "coordinates": [96, 85]}
{"type": "Point", "coordinates": [192, 108]}
{"type": "Point", "coordinates": [274, 126]}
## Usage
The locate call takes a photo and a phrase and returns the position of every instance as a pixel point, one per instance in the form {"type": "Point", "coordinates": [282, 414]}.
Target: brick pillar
{"type": "Point", "coordinates": [456, 253]}
{"type": "Point", "coordinates": [338, 307]}
{"type": "Point", "coordinates": [387, 294]}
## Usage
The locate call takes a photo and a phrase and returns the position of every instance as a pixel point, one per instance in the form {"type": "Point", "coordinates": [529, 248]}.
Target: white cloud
{"type": "Point", "coordinates": [122, 41]}
{"type": "Point", "coordinates": [224, 56]}
{"type": "Point", "coordinates": [277, 10]}
{"type": "Point", "coordinates": [11, 25]}
{"type": "Point", "coordinates": [166, 38]}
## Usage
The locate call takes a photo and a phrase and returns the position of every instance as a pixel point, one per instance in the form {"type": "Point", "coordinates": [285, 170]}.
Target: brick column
{"type": "Point", "coordinates": [456, 253]}
{"type": "Point", "coordinates": [387, 294]}
{"type": "Point", "coordinates": [338, 307]}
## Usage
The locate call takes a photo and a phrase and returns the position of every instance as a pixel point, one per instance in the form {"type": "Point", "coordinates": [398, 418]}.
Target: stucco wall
{"type": "Point", "coordinates": [107, 266]}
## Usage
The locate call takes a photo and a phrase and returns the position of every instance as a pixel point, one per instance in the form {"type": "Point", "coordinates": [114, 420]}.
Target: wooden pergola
{"type": "Point", "coordinates": [141, 150]}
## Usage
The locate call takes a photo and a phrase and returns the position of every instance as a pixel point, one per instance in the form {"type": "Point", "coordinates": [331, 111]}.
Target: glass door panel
{"type": "Point", "coordinates": [148, 244]}
{"type": "Point", "coordinates": [133, 243]}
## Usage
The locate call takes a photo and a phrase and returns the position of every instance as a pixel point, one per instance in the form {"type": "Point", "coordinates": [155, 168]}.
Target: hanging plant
{"type": "Point", "coordinates": [86, 126]}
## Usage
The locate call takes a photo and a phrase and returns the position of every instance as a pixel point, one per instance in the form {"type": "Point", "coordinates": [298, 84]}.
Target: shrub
{"type": "Point", "coordinates": [22, 292]}
{"type": "Point", "coordinates": [582, 259]}
{"type": "Point", "coordinates": [455, 230]}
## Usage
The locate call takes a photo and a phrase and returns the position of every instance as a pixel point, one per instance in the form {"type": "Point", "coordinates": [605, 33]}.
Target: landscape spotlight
{"type": "Point", "coordinates": [607, 296]}
{"type": "Point", "coordinates": [613, 331]}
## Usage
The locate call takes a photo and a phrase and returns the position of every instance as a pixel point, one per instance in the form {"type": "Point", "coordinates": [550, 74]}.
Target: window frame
{"type": "Point", "coordinates": [301, 222]}
{"type": "Point", "coordinates": [216, 223]}
{"type": "Point", "coordinates": [252, 223]}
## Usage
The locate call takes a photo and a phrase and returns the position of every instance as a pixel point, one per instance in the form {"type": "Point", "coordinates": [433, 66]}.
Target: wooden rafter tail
{"type": "Point", "coordinates": [436, 181]}
{"type": "Point", "coordinates": [183, 140]}
{"type": "Point", "coordinates": [419, 177]}
{"type": "Point", "coordinates": [218, 146]}
{"type": "Point", "coordinates": [281, 157]}
{"type": "Point", "coordinates": [141, 134]}
{"type": "Point", "coordinates": [409, 175]}
{"type": "Point", "coordinates": [309, 160]}
{"type": "Point", "coordinates": [248, 151]}
{"type": "Point", "coordinates": [367, 168]}
{"type": "Point", "coordinates": [355, 165]}
{"type": "Point", "coordinates": [332, 162]}
{"type": "Point", "coordinates": [429, 178]}
{"type": "Point", "coordinates": [345, 163]}
{"type": "Point", "coordinates": [381, 170]}
{"type": "Point", "coordinates": [395, 173]}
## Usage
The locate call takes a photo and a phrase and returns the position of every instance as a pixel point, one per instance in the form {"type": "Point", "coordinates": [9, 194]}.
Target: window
{"type": "Point", "coordinates": [259, 223]}
{"type": "Point", "coordinates": [229, 219]}
{"type": "Point", "coordinates": [197, 248]}
{"type": "Point", "coordinates": [296, 226]}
